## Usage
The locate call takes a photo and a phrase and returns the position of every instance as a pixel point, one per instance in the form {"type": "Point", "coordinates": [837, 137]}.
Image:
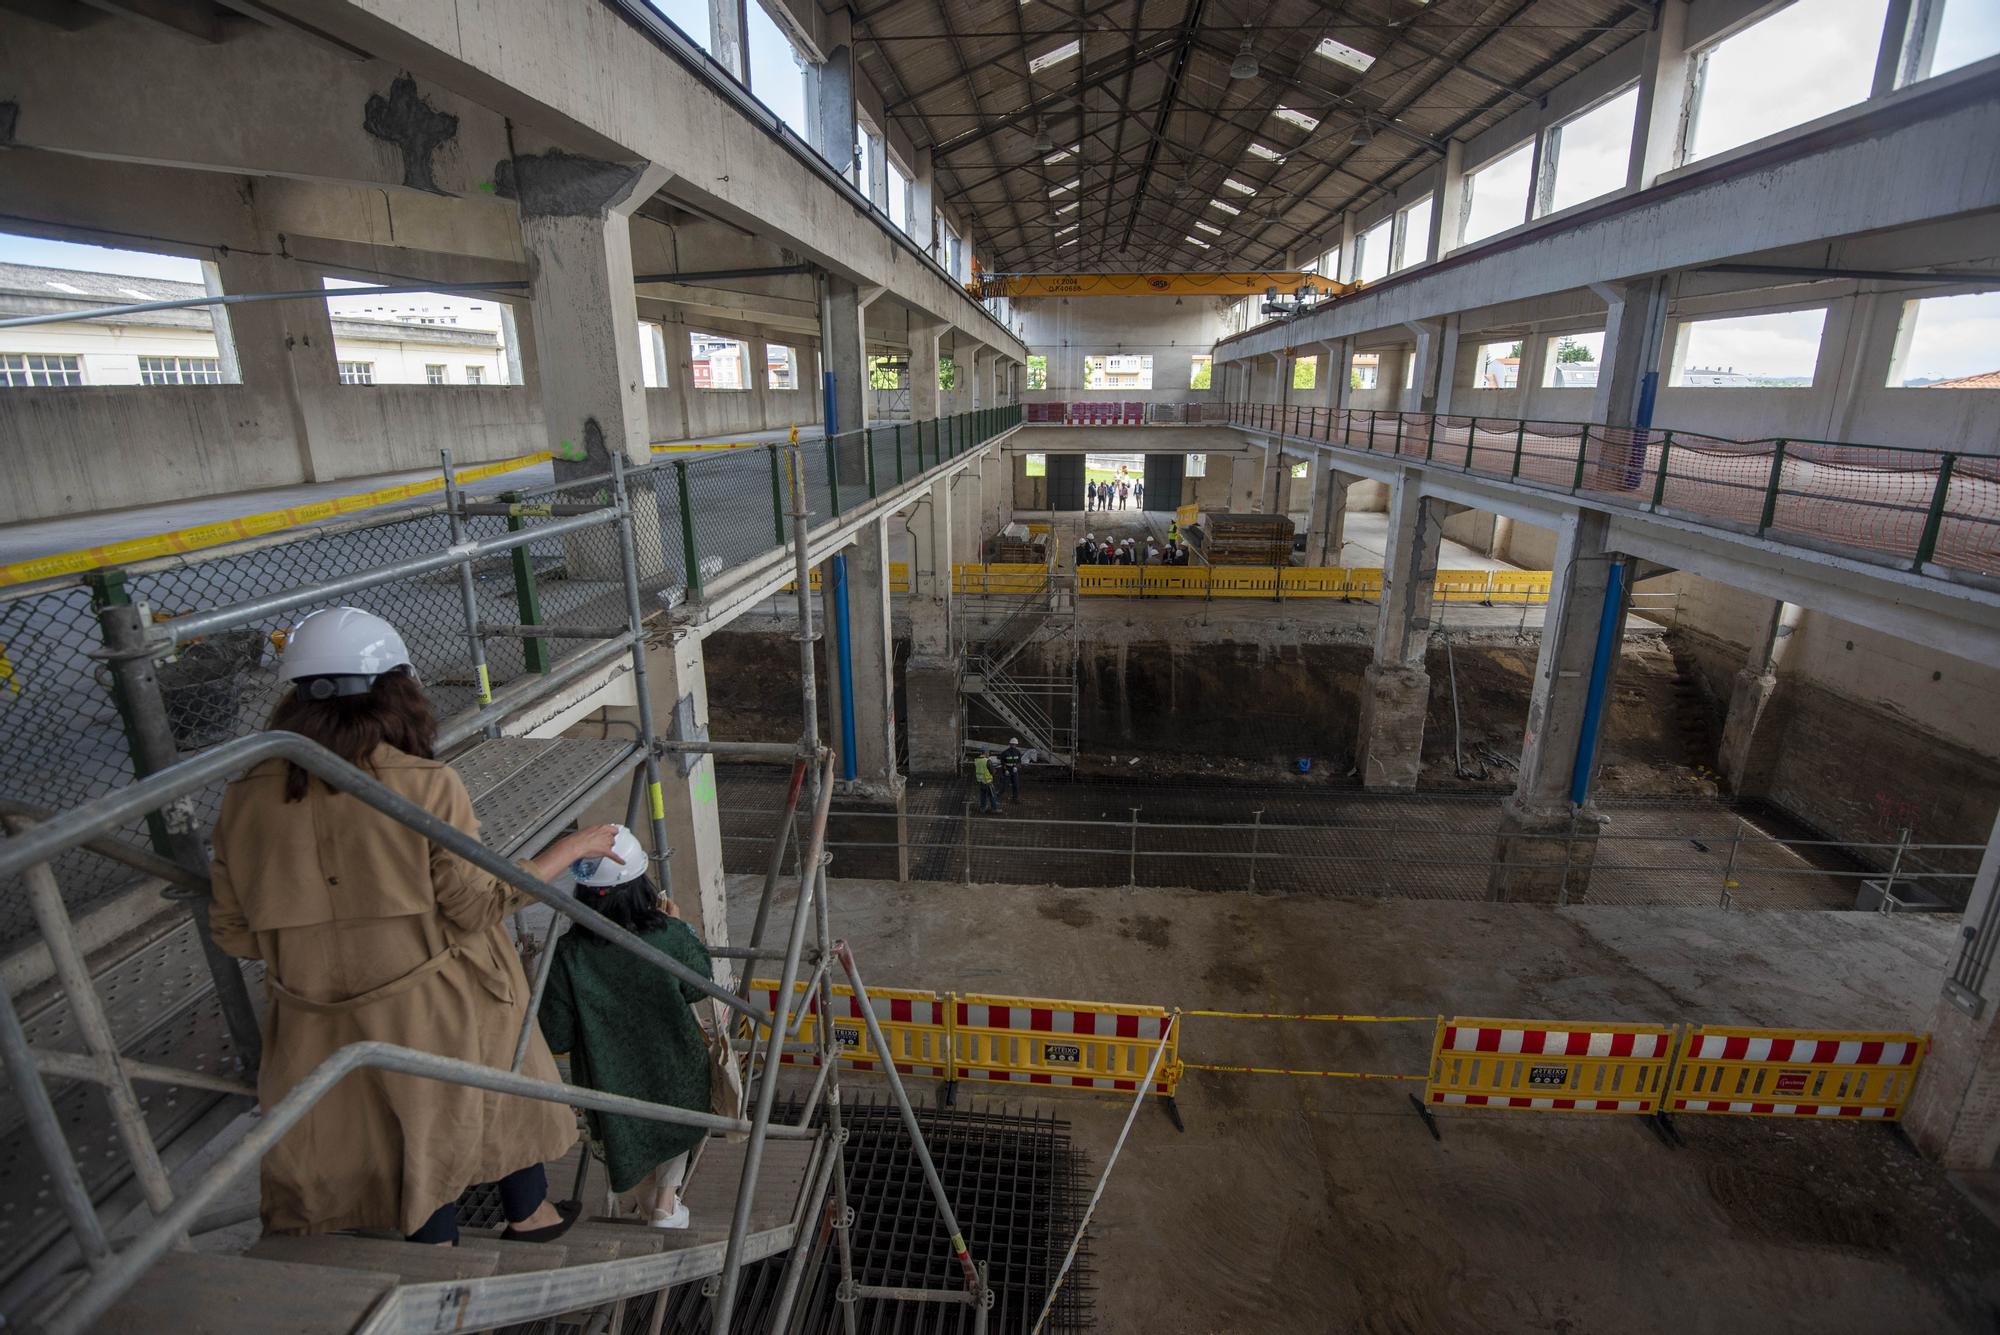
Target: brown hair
{"type": "Point", "coordinates": [394, 711]}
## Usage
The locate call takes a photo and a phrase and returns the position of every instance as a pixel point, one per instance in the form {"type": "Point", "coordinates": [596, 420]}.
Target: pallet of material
{"type": "Point", "coordinates": [1243, 539]}
{"type": "Point", "coordinates": [1010, 551]}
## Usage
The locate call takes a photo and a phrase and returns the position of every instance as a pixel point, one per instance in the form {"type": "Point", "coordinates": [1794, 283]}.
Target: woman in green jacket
{"type": "Point", "coordinates": [629, 1029]}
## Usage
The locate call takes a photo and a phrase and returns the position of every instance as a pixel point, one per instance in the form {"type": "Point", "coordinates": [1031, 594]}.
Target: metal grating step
{"type": "Point", "coordinates": [522, 786]}
{"type": "Point", "coordinates": [1018, 1186]}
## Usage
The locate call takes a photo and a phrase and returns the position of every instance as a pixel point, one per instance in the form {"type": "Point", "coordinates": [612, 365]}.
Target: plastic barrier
{"type": "Point", "coordinates": [1364, 582]}
{"type": "Point", "coordinates": [1795, 1073]}
{"type": "Point", "coordinates": [1519, 586]}
{"type": "Point", "coordinates": [1314, 582]}
{"type": "Point", "coordinates": [1187, 514]}
{"type": "Point", "coordinates": [916, 1024]}
{"type": "Point", "coordinates": [1549, 1066]}
{"type": "Point", "coordinates": [1111, 581]}
{"type": "Point", "coordinates": [1242, 581]}
{"type": "Point", "coordinates": [999, 577]}
{"type": "Point", "coordinates": [1081, 1044]}
{"type": "Point", "coordinates": [1461, 586]}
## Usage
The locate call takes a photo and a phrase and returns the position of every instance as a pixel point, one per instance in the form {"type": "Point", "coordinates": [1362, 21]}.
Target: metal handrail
{"type": "Point", "coordinates": [112, 811]}
{"type": "Point", "coordinates": [124, 1270]}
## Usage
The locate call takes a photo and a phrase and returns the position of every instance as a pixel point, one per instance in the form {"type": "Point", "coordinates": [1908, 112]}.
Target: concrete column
{"type": "Point", "coordinates": [930, 678]}
{"type": "Point", "coordinates": [1447, 368]}
{"type": "Point", "coordinates": [728, 27]}
{"type": "Point", "coordinates": [1338, 357]}
{"type": "Point", "coordinates": [676, 674]}
{"type": "Point", "coordinates": [1737, 759]}
{"type": "Point", "coordinates": [922, 377]}
{"type": "Point", "coordinates": [1396, 689]}
{"type": "Point", "coordinates": [1635, 321]}
{"type": "Point", "coordinates": [872, 654]}
{"type": "Point", "coordinates": [1663, 88]}
{"type": "Point", "coordinates": [1246, 480]}
{"type": "Point", "coordinates": [1421, 396]}
{"type": "Point", "coordinates": [1326, 529]}
{"type": "Point", "coordinates": [876, 181]}
{"type": "Point", "coordinates": [577, 232]}
{"type": "Point", "coordinates": [996, 489]}
{"type": "Point", "coordinates": [966, 506]}
{"type": "Point", "coordinates": [1954, 1114]}
{"type": "Point", "coordinates": [1347, 255]}
{"type": "Point", "coordinates": [284, 349]}
{"type": "Point", "coordinates": [1448, 205]}
{"type": "Point", "coordinates": [1270, 483]}
{"type": "Point", "coordinates": [832, 86]}
{"type": "Point", "coordinates": [1536, 867]}
{"type": "Point", "coordinates": [680, 378]}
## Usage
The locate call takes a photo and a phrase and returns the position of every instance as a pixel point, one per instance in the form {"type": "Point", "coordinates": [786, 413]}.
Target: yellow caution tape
{"type": "Point", "coordinates": [1282, 1070]}
{"type": "Point", "coordinates": [1345, 1019]}
{"type": "Point", "coordinates": [659, 802]}
{"type": "Point", "coordinates": [233, 530]}
{"type": "Point", "coordinates": [485, 686]}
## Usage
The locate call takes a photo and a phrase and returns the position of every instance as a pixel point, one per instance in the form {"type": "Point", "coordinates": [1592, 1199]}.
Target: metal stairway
{"type": "Point", "coordinates": [338, 1284]}
{"type": "Point", "coordinates": [1039, 709]}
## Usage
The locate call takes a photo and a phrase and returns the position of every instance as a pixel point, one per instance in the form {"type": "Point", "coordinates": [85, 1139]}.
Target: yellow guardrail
{"type": "Point", "coordinates": [1187, 514]}
{"type": "Point", "coordinates": [999, 577]}
{"type": "Point", "coordinates": [1548, 1066]}
{"type": "Point", "coordinates": [997, 1039]}
{"type": "Point", "coordinates": [247, 526]}
{"type": "Point", "coordinates": [1795, 1072]}
{"type": "Point", "coordinates": [1362, 583]}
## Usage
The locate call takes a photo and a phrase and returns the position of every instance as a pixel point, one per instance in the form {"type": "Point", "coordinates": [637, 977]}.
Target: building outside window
{"type": "Point", "coordinates": [1038, 372]}
{"type": "Point", "coordinates": [1775, 350]}
{"type": "Point", "coordinates": [357, 373]}
{"type": "Point", "coordinates": [1572, 361]}
{"type": "Point", "coordinates": [23, 370]}
{"type": "Point", "coordinates": [475, 375]}
{"type": "Point", "coordinates": [1498, 366]}
{"type": "Point", "coordinates": [1118, 371]}
{"type": "Point", "coordinates": [434, 373]}
{"type": "Point", "coordinates": [781, 367]}
{"type": "Point", "coordinates": [719, 362]}
{"type": "Point", "coordinates": [1201, 372]}
{"type": "Point", "coordinates": [1366, 370]}
{"type": "Point", "coordinates": [180, 370]}
{"type": "Point", "coordinates": [1197, 466]}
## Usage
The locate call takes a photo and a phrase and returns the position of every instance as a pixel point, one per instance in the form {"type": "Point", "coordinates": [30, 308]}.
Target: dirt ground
{"type": "Point", "coordinates": [1322, 1205]}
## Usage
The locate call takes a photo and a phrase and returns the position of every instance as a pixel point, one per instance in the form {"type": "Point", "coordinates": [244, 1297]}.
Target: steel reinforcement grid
{"type": "Point", "coordinates": [1916, 507]}
{"type": "Point", "coordinates": [1018, 1184]}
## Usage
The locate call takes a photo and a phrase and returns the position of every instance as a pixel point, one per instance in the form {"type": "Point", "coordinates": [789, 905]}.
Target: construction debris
{"type": "Point", "coordinates": [1227, 539]}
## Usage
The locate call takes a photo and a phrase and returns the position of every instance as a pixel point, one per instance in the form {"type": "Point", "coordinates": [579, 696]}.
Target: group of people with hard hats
{"type": "Point", "coordinates": [369, 931]}
{"type": "Point", "coordinates": [1128, 551]}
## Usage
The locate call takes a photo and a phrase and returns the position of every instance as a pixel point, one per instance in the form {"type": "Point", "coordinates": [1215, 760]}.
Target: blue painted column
{"type": "Point", "coordinates": [1610, 619]}
{"type": "Point", "coordinates": [844, 659]}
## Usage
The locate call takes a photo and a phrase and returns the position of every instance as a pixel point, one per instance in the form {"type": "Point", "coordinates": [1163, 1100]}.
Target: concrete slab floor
{"type": "Point", "coordinates": [1322, 1205]}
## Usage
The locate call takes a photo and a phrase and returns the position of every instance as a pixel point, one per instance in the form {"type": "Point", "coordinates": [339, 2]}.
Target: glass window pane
{"type": "Point", "coordinates": [1497, 366]}
{"type": "Point", "coordinates": [1773, 351]}
{"type": "Point", "coordinates": [1570, 361]}
{"type": "Point", "coordinates": [777, 75]}
{"type": "Point", "coordinates": [1968, 30]}
{"type": "Point", "coordinates": [1593, 152]}
{"type": "Point", "coordinates": [1948, 343]}
{"type": "Point", "coordinates": [1497, 195]}
{"type": "Point", "coordinates": [1802, 62]}
{"type": "Point", "coordinates": [1416, 233]}
{"type": "Point", "coordinates": [1374, 251]}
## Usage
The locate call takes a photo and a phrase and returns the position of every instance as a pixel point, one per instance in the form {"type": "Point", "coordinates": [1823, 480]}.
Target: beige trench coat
{"type": "Point", "coordinates": [369, 931]}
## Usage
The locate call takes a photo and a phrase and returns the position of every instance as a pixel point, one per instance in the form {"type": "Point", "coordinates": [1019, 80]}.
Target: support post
{"type": "Point", "coordinates": [1396, 687]}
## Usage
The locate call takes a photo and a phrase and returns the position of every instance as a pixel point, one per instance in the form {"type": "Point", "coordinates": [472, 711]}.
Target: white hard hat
{"type": "Point", "coordinates": [608, 871]}
{"type": "Point", "coordinates": [1013, 741]}
{"type": "Point", "coordinates": [346, 645]}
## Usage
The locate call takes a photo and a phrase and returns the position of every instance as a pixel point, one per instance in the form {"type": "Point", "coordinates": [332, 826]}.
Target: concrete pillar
{"type": "Point", "coordinates": [1337, 356]}
{"type": "Point", "coordinates": [872, 654]}
{"type": "Point", "coordinates": [680, 379]}
{"type": "Point", "coordinates": [1736, 759]}
{"type": "Point", "coordinates": [1448, 204]}
{"type": "Point", "coordinates": [922, 377]}
{"type": "Point", "coordinates": [996, 489]}
{"type": "Point", "coordinates": [930, 678]}
{"type": "Point", "coordinates": [1534, 866]}
{"type": "Point", "coordinates": [284, 349]}
{"type": "Point", "coordinates": [1422, 395]}
{"type": "Point", "coordinates": [679, 683]}
{"type": "Point", "coordinates": [967, 540]}
{"type": "Point", "coordinates": [1954, 1114]}
{"type": "Point", "coordinates": [1347, 255]}
{"type": "Point", "coordinates": [577, 232]}
{"type": "Point", "coordinates": [1246, 480]}
{"type": "Point", "coordinates": [1396, 689]}
{"type": "Point", "coordinates": [1663, 89]}
{"type": "Point", "coordinates": [832, 86]}
{"type": "Point", "coordinates": [923, 200]}
{"type": "Point", "coordinates": [1270, 482]}
{"type": "Point", "coordinates": [728, 42]}
{"type": "Point", "coordinates": [1635, 321]}
{"type": "Point", "coordinates": [1326, 528]}
{"type": "Point", "coordinates": [876, 178]}
{"type": "Point", "coordinates": [1447, 367]}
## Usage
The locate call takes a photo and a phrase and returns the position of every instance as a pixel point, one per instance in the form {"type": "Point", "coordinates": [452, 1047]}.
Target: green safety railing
{"type": "Point", "coordinates": [1923, 508]}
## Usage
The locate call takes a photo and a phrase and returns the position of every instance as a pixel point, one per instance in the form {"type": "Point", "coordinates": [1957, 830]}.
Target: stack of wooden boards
{"type": "Point", "coordinates": [1243, 539]}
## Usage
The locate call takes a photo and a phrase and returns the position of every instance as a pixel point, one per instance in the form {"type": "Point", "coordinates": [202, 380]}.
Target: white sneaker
{"type": "Point", "coordinates": [678, 1219]}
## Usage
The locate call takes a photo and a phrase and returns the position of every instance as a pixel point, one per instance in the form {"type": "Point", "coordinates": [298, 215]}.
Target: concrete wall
{"type": "Point", "coordinates": [1171, 330]}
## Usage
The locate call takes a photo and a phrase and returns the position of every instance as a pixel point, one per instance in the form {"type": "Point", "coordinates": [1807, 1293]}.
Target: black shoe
{"type": "Point", "coordinates": [569, 1210]}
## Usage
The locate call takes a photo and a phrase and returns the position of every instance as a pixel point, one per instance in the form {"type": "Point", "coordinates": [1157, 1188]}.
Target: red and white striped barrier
{"type": "Point", "coordinates": [1795, 1073]}
{"type": "Point", "coordinates": [1552, 1067]}
{"type": "Point", "coordinates": [1079, 1045]}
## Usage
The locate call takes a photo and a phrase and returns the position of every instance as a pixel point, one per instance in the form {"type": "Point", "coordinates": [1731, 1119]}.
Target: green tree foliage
{"type": "Point", "coordinates": [1038, 372]}
{"type": "Point", "coordinates": [1305, 372]}
{"type": "Point", "coordinates": [1569, 350]}
{"type": "Point", "coordinates": [884, 373]}
{"type": "Point", "coordinates": [947, 374]}
{"type": "Point", "coordinates": [1203, 377]}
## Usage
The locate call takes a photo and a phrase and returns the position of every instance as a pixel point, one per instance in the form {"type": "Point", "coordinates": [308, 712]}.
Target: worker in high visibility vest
{"type": "Point", "coordinates": [982, 772]}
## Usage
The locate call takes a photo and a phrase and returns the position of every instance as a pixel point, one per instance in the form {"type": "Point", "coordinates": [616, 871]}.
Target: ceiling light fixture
{"type": "Point", "coordinates": [1362, 136]}
{"type": "Point", "coordinates": [1043, 143]}
{"type": "Point", "coordinates": [1245, 64]}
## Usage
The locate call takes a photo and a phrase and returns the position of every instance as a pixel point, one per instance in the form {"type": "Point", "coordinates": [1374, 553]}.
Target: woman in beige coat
{"type": "Point", "coordinates": [368, 931]}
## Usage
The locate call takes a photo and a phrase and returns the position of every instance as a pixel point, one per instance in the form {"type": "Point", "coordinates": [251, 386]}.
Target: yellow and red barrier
{"type": "Point", "coordinates": [1550, 1066]}
{"type": "Point", "coordinates": [1795, 1073]}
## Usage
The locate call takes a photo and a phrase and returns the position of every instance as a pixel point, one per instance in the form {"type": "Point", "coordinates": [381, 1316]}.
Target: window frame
{"type": "Point", "coordinates": [1675, 345]}
{"type": "Point", "coordinates": [210, 373]}
{"type": "Point", "coordinates": [1532, 144]}
{"type": "Point", "coordinates": [353, 372]}
{"type": "Point", "coordinates": [437, 373]}
{"type": "Point", "coordinates": [1548, 155]}
{"type": "Point", "coordinates": [8, 371]}
{"type": "Point", "coordinates": [792, 367]}
{"type": "Point", "coordinates": [475, 374]}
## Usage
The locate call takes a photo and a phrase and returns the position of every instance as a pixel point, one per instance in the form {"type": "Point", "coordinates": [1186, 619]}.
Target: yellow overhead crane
{"type": "Point", "coordinates": [1152, 284]}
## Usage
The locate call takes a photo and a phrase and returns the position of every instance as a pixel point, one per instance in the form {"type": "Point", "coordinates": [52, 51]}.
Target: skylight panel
{"type": "Point", "coordinates": [1065, 231]}
{"type": "Point", "coordinates": [1212, 230]}
{"type": "Point", "coordinates": [1231, 183]}
{"type": "Point", "coordinates": [1196, 241]}
{"type": "Point", "coordinates": [1067, 208]}
{"type": "Point", "coordinates": [1298, 118]}
{"type": "Point", "coordinates": [1055, 55]}
{"type": "Point", "coordinates": [1061, 153]}
{"type": "Point", "coordinates": [1055, 190]}
{"type": "Point", "coordinates": [1226, 208]}
{"type": "Point", "coordinates": [1340, 53]}
{"type": "Point", "coordinates": [1266, 152]}
{"type": "Point", "coordinates": [1072, 241]}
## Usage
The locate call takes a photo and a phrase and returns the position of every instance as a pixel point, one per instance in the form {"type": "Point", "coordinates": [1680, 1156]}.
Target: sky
{"type": "Point", "coordinates": [1594, 152]}
{"type": "Point", "coordinates": [1953, 336]}
{"type": "Point", "coordinates": [1499, 194]}
{"type": "Point", "coordinates": [1806, 60]}
{"type": "Point", "coordinates": [97, 259]}
{"type": "Point", "coordinates": [1779, 345]}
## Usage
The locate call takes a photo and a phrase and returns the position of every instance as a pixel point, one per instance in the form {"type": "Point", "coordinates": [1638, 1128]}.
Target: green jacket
{"type": "Point", "coordinates": [982, 770]}
{"type": "Point", "coordinates": [628, 1030]}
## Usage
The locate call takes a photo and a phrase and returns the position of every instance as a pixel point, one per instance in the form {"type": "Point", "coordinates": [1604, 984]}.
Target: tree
{"type": "Point", "coordinates": [947, 374]}
{"type": "Point", "coordinates": [1305, 372]}
{"type": "Point", "coordinates": [1204, 371]}
{"type": "Point", "coordinates": [1038, 372]}
{"type": "Point", "coordinates": [1515, 353]}
{"type": "Point", "coordinates": [1568, 350]}
{"type": "Point", "coordinates": [883, 373]}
